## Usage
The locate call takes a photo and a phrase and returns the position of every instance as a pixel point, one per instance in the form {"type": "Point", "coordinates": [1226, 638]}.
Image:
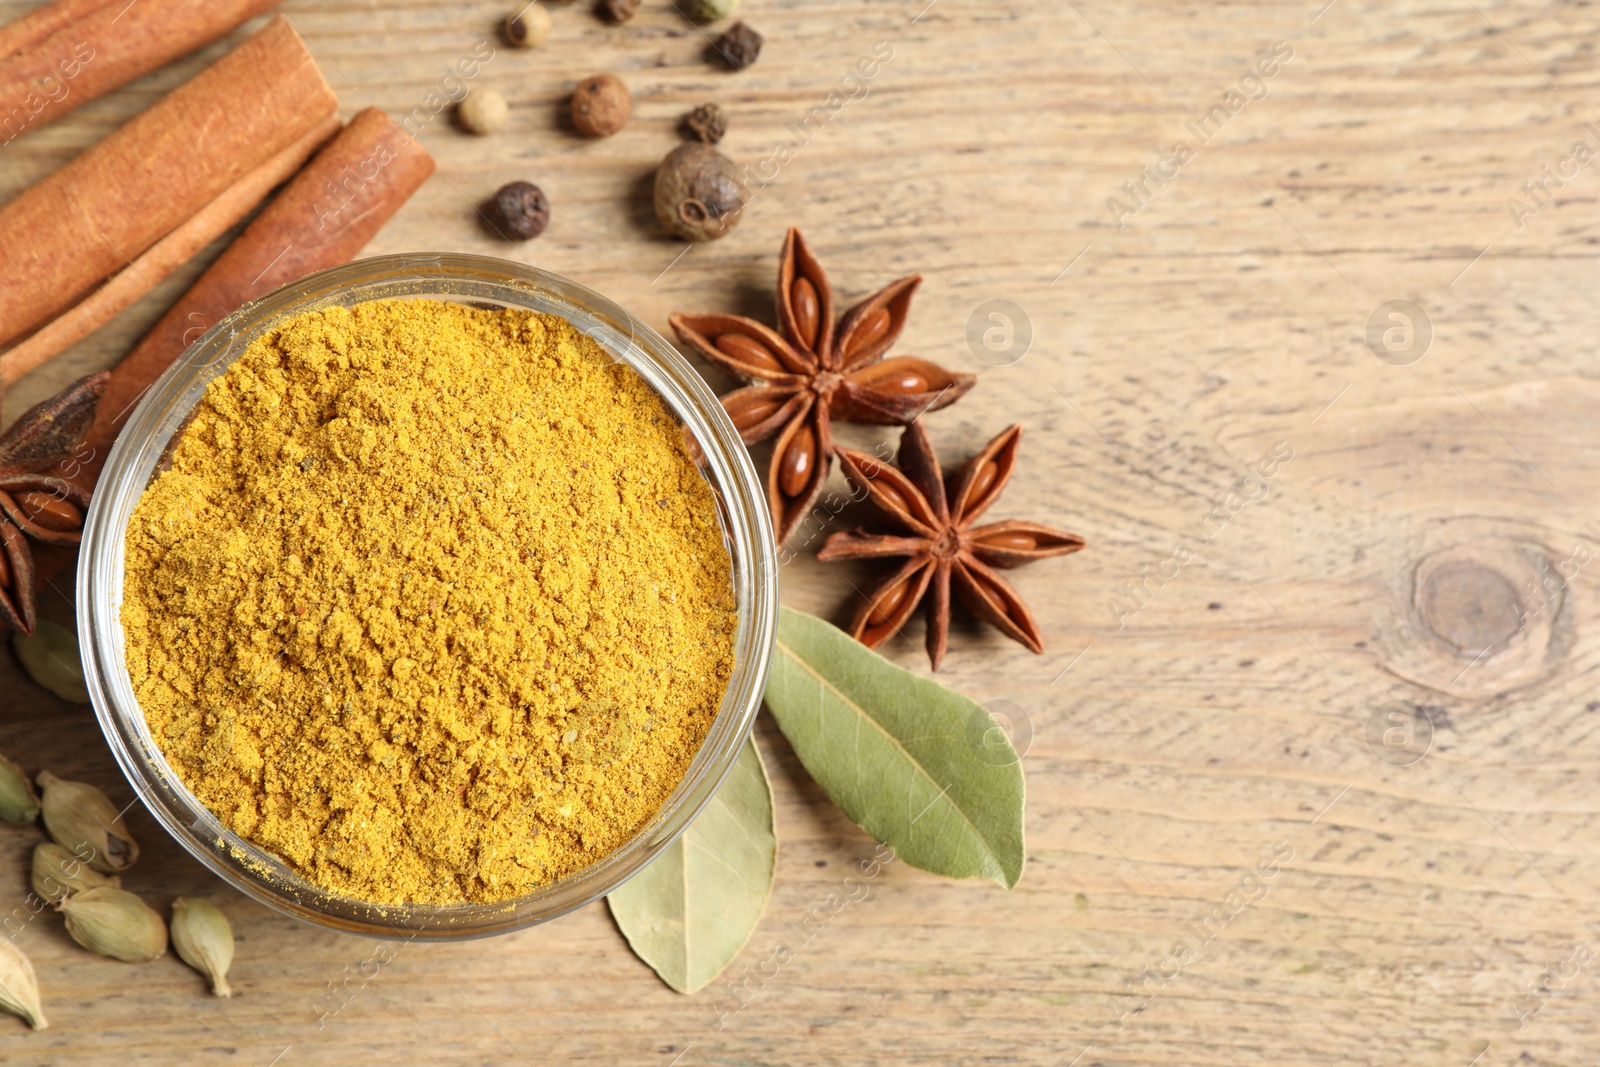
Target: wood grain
{"type": "Point", "coordinates": [1235, 722]}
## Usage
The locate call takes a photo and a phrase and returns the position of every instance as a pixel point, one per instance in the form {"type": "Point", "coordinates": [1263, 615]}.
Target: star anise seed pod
{"type": "Point", "coordinates": [941, 546]}
{"type": "Point", "coordinates": [809, 372]}
{"type": "Point", "coordinates": [39, 505]}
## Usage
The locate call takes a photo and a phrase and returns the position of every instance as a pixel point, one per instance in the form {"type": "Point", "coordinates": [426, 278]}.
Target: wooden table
{"type": "Point", "coordinates": [1427, 553]}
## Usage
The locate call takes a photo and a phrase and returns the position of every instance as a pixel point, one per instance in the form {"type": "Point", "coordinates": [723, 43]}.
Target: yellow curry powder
{"type": "Point", "coordinates": [432, 602]}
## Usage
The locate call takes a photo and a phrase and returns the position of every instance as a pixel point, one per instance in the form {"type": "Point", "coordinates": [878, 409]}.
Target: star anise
{"type": "Point", "coordinates": [809, 372]}
{"type": "Point", "coordinates": [34, 504]}
{"type": "Point", "coordinates": [941, 546]}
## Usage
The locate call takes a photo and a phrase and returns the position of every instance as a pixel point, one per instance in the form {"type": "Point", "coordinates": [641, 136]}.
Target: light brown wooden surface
{"type": "Point", "coordinates": [1222, 725]}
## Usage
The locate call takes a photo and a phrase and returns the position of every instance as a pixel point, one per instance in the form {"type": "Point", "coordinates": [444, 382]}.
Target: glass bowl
{"type": "Point", "coordinates": [480, 281]}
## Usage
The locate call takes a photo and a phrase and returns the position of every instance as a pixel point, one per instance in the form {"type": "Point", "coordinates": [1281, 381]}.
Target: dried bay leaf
{"type": "Point", "coordinates": [922, 768]}
{"type": "Point", "coordinates": [693, 908]}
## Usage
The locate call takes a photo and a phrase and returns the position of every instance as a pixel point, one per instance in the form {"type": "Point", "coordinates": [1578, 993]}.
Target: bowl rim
{"type": "Point", "coordinates": [465, 278]}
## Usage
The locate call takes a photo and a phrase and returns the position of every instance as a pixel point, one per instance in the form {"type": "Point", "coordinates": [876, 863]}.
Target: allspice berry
{"type": "Point", "coordinates": [482, 111]}
{"type": "Point", "coordinates": [740, 46]}
{"type": "Point", "coordinates": [520, 211]}
{"type": "Point", "coordinates": [706, 123]}
{"type": "Point", "coordinates": [601, 106]}
{"type": "Point", "coordinates": [529, 27]}
{"type": "Point", "coordinates": [699, 194]}
{"type": "Point", "coordinates": [617, 11]}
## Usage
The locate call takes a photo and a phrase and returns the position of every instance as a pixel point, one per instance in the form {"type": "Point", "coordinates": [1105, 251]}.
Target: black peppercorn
{"type": "Point", "coordinates": [617, 11]}
{"type": "Point", "coordinates": [706, 123]}
{"type": "Point", "coordinates": [520, 211]}
{"type": "Point", "coordinates": [740, 46]}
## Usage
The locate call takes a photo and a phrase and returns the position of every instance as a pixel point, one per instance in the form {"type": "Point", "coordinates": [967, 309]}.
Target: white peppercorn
{"type": "Point", "coordinates": [529, 27]}
{"type": "Point", "coordinates": [482, 111]}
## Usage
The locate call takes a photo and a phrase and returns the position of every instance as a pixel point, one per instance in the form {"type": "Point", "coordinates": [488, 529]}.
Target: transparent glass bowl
{"type": "Point", "coordinates": [480, 281]}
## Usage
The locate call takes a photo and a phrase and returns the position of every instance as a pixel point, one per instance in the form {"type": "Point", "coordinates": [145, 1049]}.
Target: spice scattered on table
{"type": "Point", "coordinates": [520, 211]}
{"type": "Point", "coordinates": [601, 105]}
{"type": "Point", "coordinates": [36, 504]}
{"type": "Point", "coordinates": [115, 923]}
{"type": "Point", "coordinates": [482, 111]}
{"type": "Point", "coordinates": [706, 123]}
{"type": "Point", "coordinates": [51, 658]}
{"type": "Point", "coordinates": [813, 372]}
{"type": "Point", "coordinates": [617, 12]}
{"type": "Point", "coordinates": [496, 623]}
{"type": "Point", "coordinates": [699, 192]}
{"type": "Point", "coordinates": [528, 27]}
{"type": "Point", "coordinates": [19, 987]}
{"type": "Point", "coordinates": [203, 938]}
{"type": "Point", "coordinates": [933, 531]}
{"type": "Point", "coordinates": [49, 63]}
{"type": "Point", "coordinates": [712, 10]}
{"type": "Point", "coordinates": [740, 46]}
{"type": "Point", "coordinates": [82, 819]}
{"type": "Point", "coordinates": [18, 802]}
{"type": "Point", "coordinates": [58, 873]}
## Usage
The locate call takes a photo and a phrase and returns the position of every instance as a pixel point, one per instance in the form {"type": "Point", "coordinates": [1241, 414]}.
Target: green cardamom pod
{"type": "Point", "coordinates": [85, 823]}
{"type": "Point", "coordinates": [18, 802]}
{"type": "Point", "coordinates": [57, 873]}
{"type": "Point", "coordinates": [115, 923]}
{"type": "Point", "coordinates": [50, 654]}
{"type": "Point", "coordinates": [19, 989]}
{"type": "Point", "coordinates": [204, 940]}
{"type": "Point", "coordinates": [712, 10]}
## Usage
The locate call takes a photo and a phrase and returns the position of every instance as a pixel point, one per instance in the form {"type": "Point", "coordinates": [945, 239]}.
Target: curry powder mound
{"type": "Point", "coordinates": [432, 602]}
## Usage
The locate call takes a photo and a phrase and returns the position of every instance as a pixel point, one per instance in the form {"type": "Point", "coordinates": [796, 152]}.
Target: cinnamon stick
{"type": "Point", "coordinates": [42, 22]}
{"type": "Point", "coordinates": [321, 219]}
{"type": "Point", "coordinates": [72, 51]}
{"type": "Point", "coordinates": [162, 258]}
{"type": "Point", "coordinates": [94, 216]}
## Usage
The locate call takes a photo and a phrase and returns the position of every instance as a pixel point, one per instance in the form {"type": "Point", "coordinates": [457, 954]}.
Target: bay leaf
{"type": "Point", "coordinates": [920, 767]}
{"type": "Point", "coordinates": [693, 908]}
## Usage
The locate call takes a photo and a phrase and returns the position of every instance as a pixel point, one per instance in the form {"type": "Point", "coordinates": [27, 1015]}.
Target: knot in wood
{"type": "Point", "coordinates": [1482, 611]}
{"type": "Point", "coordinates": [1470, 606]}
